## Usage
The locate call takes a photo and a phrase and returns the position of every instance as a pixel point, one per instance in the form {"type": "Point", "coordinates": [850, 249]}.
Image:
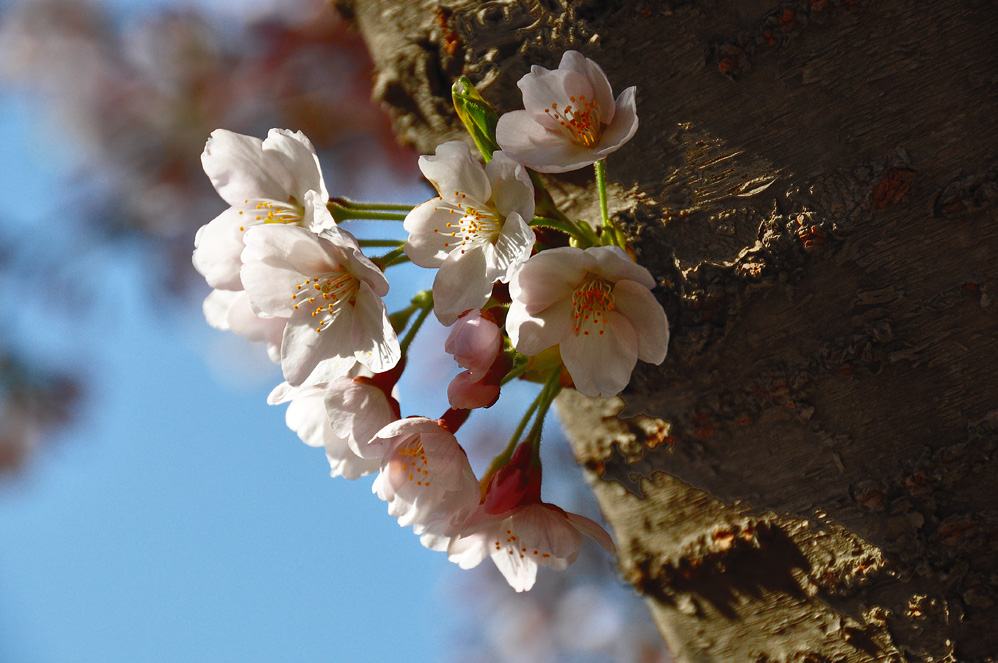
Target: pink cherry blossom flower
{"type": "Point", "coordinates": [570, 119]}
{"type": "Point", "coordinates": [339, 416]}
{"type": "Point", "coordinates": [425, 475]}
{"type": "Point", "coordinates": [263, 181]}
{"type": "Point", "coordinates": [518, 530]}
{"type": "Point", "coordinates": [597, 304]}
{"type": "Point", "coordinates": [476, 343]}
{"type": "Point", "coordinates": [330, 294]}
{"type": "Point", "coordinates": [476, 232]}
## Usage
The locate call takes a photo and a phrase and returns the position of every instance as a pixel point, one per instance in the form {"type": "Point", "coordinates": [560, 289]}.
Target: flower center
{"type": "Point", "coordinates": [265, 210]}
{"type": "Point", "coordinates": [329, 294]}
{"type": "Point", "coordinates": [580, 120]}
{"type": "Point", "coordinates": [411, 458]}
{"type": "Point", "coordinates": [515, 547]}
{"type": "Point", "coordinates": [473, 228]}
{"type": "Point", "coordinates": [591, 302]}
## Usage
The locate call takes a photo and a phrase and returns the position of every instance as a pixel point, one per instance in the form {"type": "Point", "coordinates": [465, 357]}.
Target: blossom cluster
{"type": "Point", "coordinates": [571, 309]}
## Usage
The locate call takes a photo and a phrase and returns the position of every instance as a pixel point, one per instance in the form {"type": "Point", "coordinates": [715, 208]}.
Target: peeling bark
{"type": "Point", "coordinates": [811, 473]}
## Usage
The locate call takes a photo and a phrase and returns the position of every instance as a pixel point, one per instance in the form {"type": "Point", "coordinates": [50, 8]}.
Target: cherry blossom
{"type": "Point", "coordinates": [476, 232]}
{"type": "Point", "coordinates": [518, 530]}
{"type": "Point", "coordinates": [338, 416]}
{"type": "Point", "coordinates": [476, 343]}
{"type": "Point", "coordinates": [570, 119]}
{"type": "Point", "coordinates": [230, 310]}
{"type": "Point", "coordinates": [425, 475]}
{"type": "Point", "coordinates": [597, 304]}
{"type": "Point", "coordinates": [330, 294]}
{"type": "Point", "coordinates": [263, 181]}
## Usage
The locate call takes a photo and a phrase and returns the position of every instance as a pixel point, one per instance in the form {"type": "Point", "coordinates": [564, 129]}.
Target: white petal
{"type": "Point", "coordinates": [243, 321]}
{"type": "Point", "coordinates": [594, 531]}
{"type": "Point", "coordinates": [216, 308]}
{"type": "Point", "coordinates": [623, 127]}
{"type": "Point", "coordinates": [636, 303]}
{"type": "Point", "coordinates": [238, 169]}
{"type": "Point", "coordinates": [429, 239]}
{"type": "Point", "coordinates": [542, 87]}
{"type": "Point", "coordinates": [469, 551]}
{"type": "Point", "coordinates": [602, 93]}
{"type": "Point", "coordinates": [375, 344]}
{"type": "Point", "coordinates": [356, 412]}
{"type": "Point", "coordinates": [460, 285]}
{"type": "Point", "coordinates": [511, 249]}
{"type": "Point", "coordinates": [270, 288]}
{"type": "Point", "coordinates": [303, 347]}
{"type": "Point", "coordinates": [307, 417]}
{"type": "Point", "coordinates": [601, 364]}
{"type": "Point", "coordinates": [282, 393]}
{"type": "Point", "coordinates": [298, 159]}
{"type": "Point", "coordinates": [531, 334]}
{"type": "Point", "coordinates": [537, 147]}
{"type": "Point", "coordinates": [613, 264]}
{"type": "Point", "coordinates": [512, 190]}
{"type": "Point", "coordinates": [287, 247]}
{"type": "Point", "coordinates": [519, 572]}
{"type": "Point", "coordinates": [454, 171]}
{"type": "Point", "coordinates": [217, 249]}
{"type": "Point", "coordinates": [550, 276]}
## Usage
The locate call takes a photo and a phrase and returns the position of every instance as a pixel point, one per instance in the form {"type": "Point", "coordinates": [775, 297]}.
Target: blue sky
{"type": "Point", "coordinates": [179, 519]}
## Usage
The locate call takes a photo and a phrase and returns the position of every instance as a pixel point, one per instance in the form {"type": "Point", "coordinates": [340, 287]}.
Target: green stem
{"type": "Point", "coordinates": [341, 214]}
{"type": "Point", "coordinates": [381, 242]}
{"type": "Point", "coordinates": [354, 205]}
{"type": "Point", "coordinates": [507, 453]}
{"type": "Point", "coordinates": [600, 167]}
{"type": "Point", "coordinates": [551, 389]}
{"type": "Point", "coordinates": [515, 372]}
{"type": "Point", "coordinates": [394, 257]}
{"type": "Point", "coordinates": [411, 334]}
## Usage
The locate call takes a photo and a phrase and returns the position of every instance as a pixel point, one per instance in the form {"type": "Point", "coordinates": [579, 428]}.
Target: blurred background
{"type": "Point", "coordinates": [152, 506]}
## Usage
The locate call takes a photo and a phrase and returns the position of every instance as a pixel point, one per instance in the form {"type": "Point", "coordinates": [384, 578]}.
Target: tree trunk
{"type": "Point", "coordinates": [813, 184]}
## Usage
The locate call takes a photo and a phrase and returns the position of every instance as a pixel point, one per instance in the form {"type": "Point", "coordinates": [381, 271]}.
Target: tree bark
{"type": "Point", "coordinates": [811, 473]}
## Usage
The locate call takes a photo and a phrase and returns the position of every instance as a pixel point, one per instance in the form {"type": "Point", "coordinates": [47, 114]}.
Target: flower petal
{"type": "Point", "coordinates": [511, 249]}
{"type": "Point", "coordinates": [593, 530]}
{"type": "Point", "coordinates": [374, 341]}
{"type": "Point", "coordinates": [636, 303]}
{"type": "Point", "coordinates": [460, 285]}
{"type": "Point", "coordinates": [303, 347]}
{"type": "Point", "coordinates": [542, 87]}
{"type": "Point", "coordinates": [601, 364]}
{"type": "Point", "coordinates": [549, 276]}
{"type": "Point", "coordinates": [623, 127]}
{"type": "Point", "coordinates": [217, 249]}
{"type": "Point", "coordinates": [532, 333]}
{"type": "Point", "coordinates": [466, 393]}
{"type": "Point", "coordinates": [239, 170]}
{"type": "Point", "coordinates": [512, 190]}
{"type": "Point", "coordinates": [611, 263]}
{"type": "Point", "coordinates": [537, 147]}
{"type": "Point", "coordinates": [454, 171]}
{"type": "Point", "coordinates": [298, 160]}
{"type": "Point", "coordinates": [602, 93]}
{"type": "Point", "coordinates": [429, 236]}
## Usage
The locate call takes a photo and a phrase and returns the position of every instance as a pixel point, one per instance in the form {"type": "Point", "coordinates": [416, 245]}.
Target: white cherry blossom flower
{"type": "Point", "coordinates": [476, 342]}
{"type": "Point", "coordinates": [330, 294]}
{"type": "Point", "coordinates": [518, 530]}
{"type": "Point", "coordinates": [570, 119]}
{"type": "Point", "coordinates": [425, 475]}
{"type": "Point", "coordinates": [230, 310]}
{"type": "Point", "coordinates": [597, 304]}
{"type": "Point", "coordinates": [339, 417]}
{"type": "Point", "coordinates": [263, 181]}
{"type": "Point", "coordinates": [476, 232]}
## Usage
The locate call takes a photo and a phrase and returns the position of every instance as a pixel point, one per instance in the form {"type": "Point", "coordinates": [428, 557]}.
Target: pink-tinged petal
{"type": "Point", "coordinates": [636, 303]}
{"type": "Point", "coordinates": [374, 341]}
{"type": "Point", "coordinates": [298, 160]}
{"type": "Point", "coordinates": [460, 285]}
{"type": "Point", "coordinates": [602, 93]}
{"type": "Point", "coordinates": [429, 237]}
{"type": "Point", "coordinates": [539, 148]}
{"type": "Point", "coordinates": [475, 343]}
{"type": "Point", "coordinates": [217, 249]}
{"type": "Point", "coordinates": [454, 171]}
{"type": "Point", "coordinates": [542, 87]}
{"type": "Point", "coordinates": [303, 347]}
{"type": "Point", "coordinates": [544, 528]}
{"type": "Point", "coordinates": [239, 170]}
{"type": "Point", "coordinates": [532, 333]}
{"type": "Point", "coordinates": [216, 307]}
{"type": "Point", "coordinates": [356, 412]}
{"type": "Point", "coordinates": [593, 530]}
{"type": "Point", "coordinates": [611, 263]}
{"type": "Point", "coordinates": [601, 364]}
{"type": "Point", "coordinates": [623, 127]}
{"type": "Point", "coordinates": [511, 249]}
{"type": "Point", "coordinates": [286, 247]}
{"type": "Point", "coordinates": [466, 393]}
{"type": "Point", "coordinates": [549, 276]}
{"type": "Point", "coordinates": [512, 190]}
{"type": "Point", "coordinates": [243, 321]}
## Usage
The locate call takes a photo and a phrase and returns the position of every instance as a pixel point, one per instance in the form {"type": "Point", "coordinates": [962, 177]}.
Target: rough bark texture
{"type": "Point", "coordinates": [813, 185]}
